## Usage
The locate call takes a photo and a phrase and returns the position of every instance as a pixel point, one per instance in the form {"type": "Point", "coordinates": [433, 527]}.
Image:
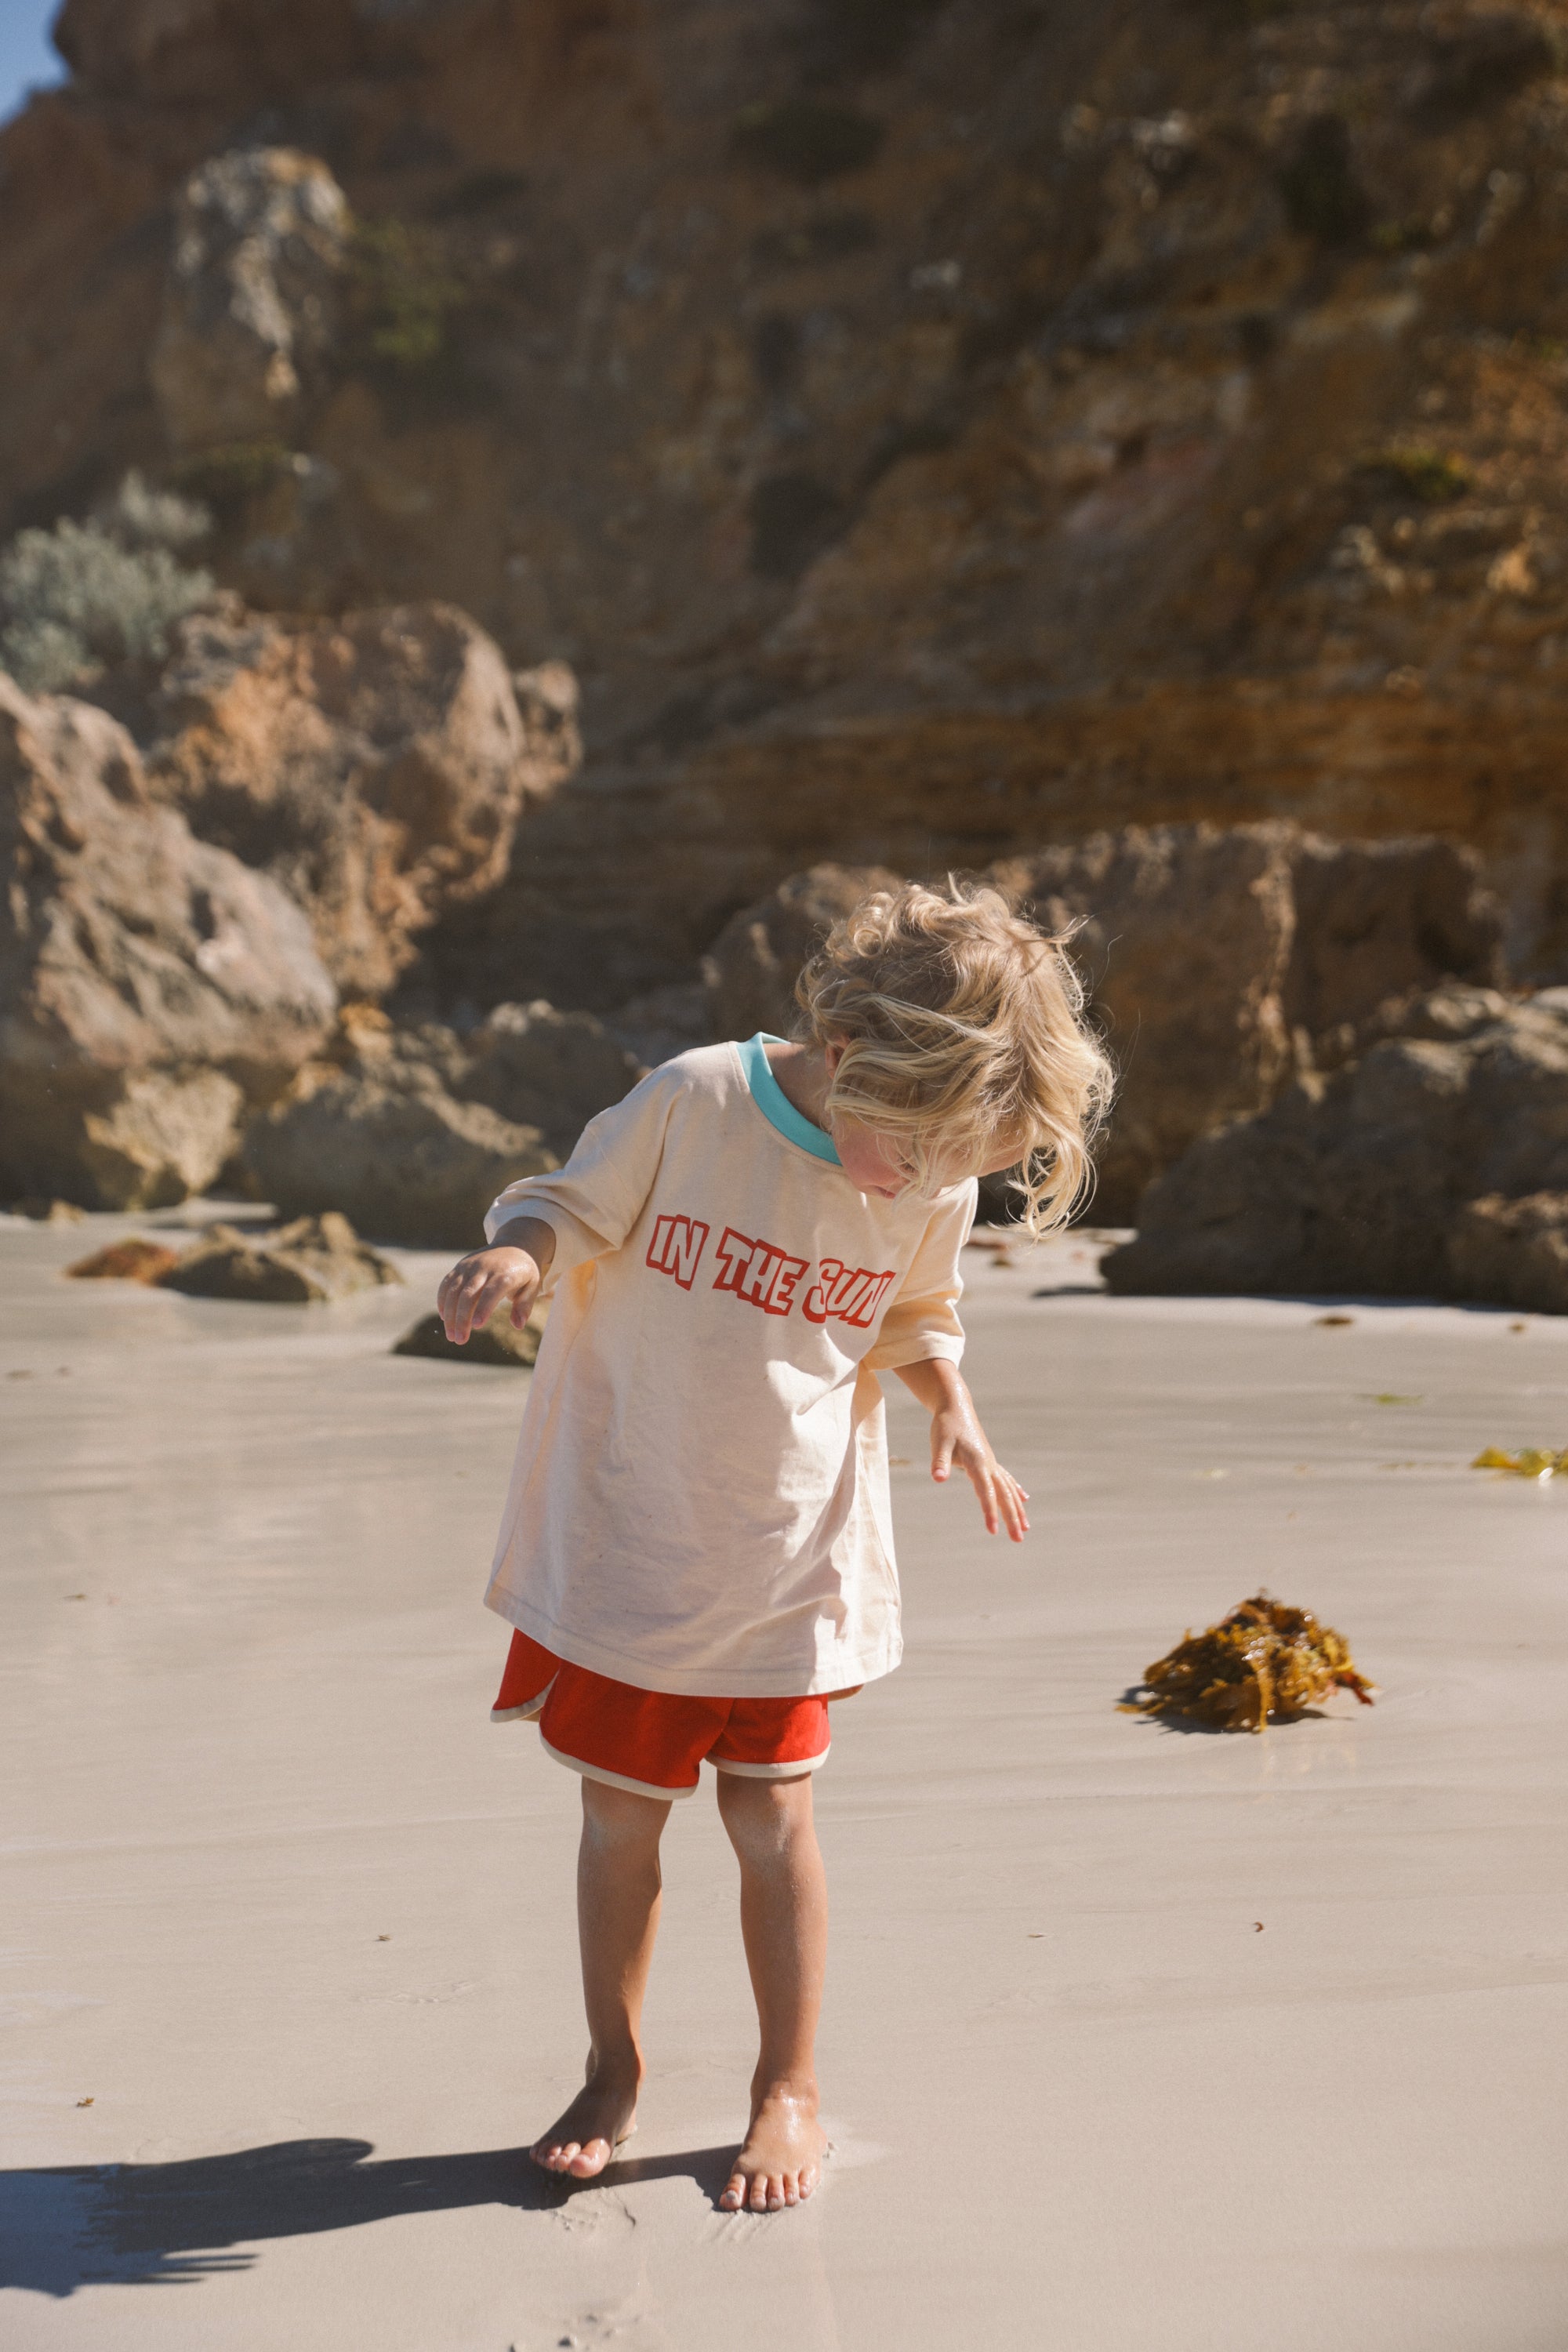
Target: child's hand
{"type": "Point", "coordinates": [480, 1283]}
{"type": "Point", "coordinates": [957, 1436]}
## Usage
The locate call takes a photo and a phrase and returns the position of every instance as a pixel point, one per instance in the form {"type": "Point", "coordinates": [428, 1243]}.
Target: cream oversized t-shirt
{"type": "Point", "coordinates": [700, 1499]}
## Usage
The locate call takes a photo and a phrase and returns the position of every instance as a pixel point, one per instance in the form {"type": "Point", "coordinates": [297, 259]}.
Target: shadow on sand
{"type": "Point", "coordinates": [137, 2224]}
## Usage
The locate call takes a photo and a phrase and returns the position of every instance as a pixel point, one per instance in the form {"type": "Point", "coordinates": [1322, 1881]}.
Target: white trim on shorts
{"type": "Point", "coordinates": [529, 1712]}
{"type": "Point", "coordinates": [615, 1780]}
{"type": "Point", "coordinates": [771, 1772]}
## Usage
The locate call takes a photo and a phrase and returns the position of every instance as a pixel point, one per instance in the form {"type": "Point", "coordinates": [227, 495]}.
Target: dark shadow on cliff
{"type": "Point", "coordinates": [70, 2226]}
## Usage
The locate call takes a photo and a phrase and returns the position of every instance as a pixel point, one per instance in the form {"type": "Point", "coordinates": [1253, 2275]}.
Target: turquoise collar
{"type": "Point", "coordinates": [775, 1105]}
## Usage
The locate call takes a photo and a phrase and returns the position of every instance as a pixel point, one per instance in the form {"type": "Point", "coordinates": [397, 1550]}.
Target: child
{"type": "Point", "coordinates": [695, 1554]}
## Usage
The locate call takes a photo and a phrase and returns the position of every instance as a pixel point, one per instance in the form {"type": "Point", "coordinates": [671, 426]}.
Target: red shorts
{"type": "Point", "coordinates": [652, 1742]}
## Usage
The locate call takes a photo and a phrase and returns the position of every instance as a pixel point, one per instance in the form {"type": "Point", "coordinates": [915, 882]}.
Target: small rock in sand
{"type": "Point", "coordinates": [131, 1260]}
{"type": "Point", "coordinates": [498, 1341]}
{"type": "Point", "coordinates": [313, 1258]}
{"type": "Point", "coordinates": [44, 1211]}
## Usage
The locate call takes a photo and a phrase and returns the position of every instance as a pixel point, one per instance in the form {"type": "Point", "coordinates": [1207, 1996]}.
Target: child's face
{"type": "Point", "coordinates": [873, 1162]}
{"type": "Point", "coordinates": [878, 1163]}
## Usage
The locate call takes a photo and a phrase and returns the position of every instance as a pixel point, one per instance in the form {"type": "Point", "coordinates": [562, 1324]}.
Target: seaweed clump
{"type": "Point", "coordinates": [1530, 1461]}
{"type": "Point", "coordinates": [1264, 1659]}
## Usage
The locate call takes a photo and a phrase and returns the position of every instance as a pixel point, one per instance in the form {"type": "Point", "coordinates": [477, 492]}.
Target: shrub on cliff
{"type": "Point", "coordinates": [87, 595]}
{"type": "Point", "coordinates": [404, 292]}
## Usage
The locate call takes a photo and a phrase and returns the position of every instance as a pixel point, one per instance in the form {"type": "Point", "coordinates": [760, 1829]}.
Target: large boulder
{"type": "Point", "coordinates": [151, 986]}
{"type": "Point", "coordinates": [414, 1130]}
{"type": "Point", "coordinates": [1219, 960]}
{"type": "Point", "coordinates": [1378, 922]}
{"type": "Point", "coordinates": [541, 1068]}
{"type": "Point", "coordinates": [1183, 934]}
{"type": "Point", "coordinates": [376, 1131]}
{"type": "Point", "coordinates": [1514, 1253]}
{"type": "Point", "coordinates": [375, 765]}
{"type": "Point", "coordinates": [1409, 1172]}
{"type": "Point", "coordinates": [252, 297]}
{"type": "Point", "coordinates": [750, 970]}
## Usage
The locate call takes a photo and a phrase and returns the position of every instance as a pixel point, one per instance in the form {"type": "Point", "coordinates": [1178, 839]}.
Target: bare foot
{"type": "Point", "coordinates": [582, 2140]}
{"type": "Point", "coordinates": [781, 2160]}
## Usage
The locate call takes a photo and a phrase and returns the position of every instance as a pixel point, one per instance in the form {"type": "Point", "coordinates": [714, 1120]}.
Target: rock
{"type": "Point", "coordinates": [415, 1130]}
{"type": "Point", "coordinates": [1183, 937]}
{"type": "Point", "coordinates": [182, 54]}
{"type": "Point", "coordinates": [375, 766]}
{"type": "Point", "coordinates": [1376, 922]}
{"type": "Point", "coordinates": [1219, 958]}
{"type": "Point", "coordinates": [498, 1341]}
{"type": "Point", "coordinates": [252, 297]}
{"type": "Point", "coordinates": [380, 1136]}
{"type": "Point", "coordinates": [1080, 486]}
{"type": "Point", "coordinates": [1359, 1182]}
{"type": "Point", "coordinates": [131, 1260]}
{"type": "Point", "coordinates": [44, 1212]}
{"type": "Point", "coordinates": [312, 1259]}
{"type": "Point", "coordinates": [750, 970]}
{"type": "Point", "coordinates": [1217, 961]}
{"type": "Point", "coordinates": [551, 1070]}
{"type": "Point", "coordinates": [548, 700]}
{"type": "Point", "coordinates": [165, 1135]}
{"type": "Point", "coordinates": [1512, 1253]}
{"type": "Point", "coordinates": [660, 1022]}
{"type": "Point", "coordinates": [150, 985]}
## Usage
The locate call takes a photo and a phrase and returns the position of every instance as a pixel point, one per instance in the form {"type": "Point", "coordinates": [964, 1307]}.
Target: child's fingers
{"type": "Point", "coordinates": [477, 1296]}
{"type": "Point", "coordinates": [448, 1303]}
{"type": "Point", "coordinates": [984, 1485]}
{"type": "Point", "coordinates": [941, 1443]}
{"type": "Point", "coordinates": [1014, 1502]}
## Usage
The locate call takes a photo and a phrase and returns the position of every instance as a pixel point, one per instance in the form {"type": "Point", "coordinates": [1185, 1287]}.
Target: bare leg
{"type": "Point", "coordinates": [617, 1919]}
{"type": "Point", "coordinates": [784, 1919]}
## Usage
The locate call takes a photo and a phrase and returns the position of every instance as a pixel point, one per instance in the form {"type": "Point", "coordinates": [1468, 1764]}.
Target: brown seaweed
{"type": "Point", "coordinates": [1265, 1659]}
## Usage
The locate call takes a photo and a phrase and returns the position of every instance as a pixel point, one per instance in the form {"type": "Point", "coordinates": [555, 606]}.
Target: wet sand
{"type": "Point", "coordinates": [297, 1920]}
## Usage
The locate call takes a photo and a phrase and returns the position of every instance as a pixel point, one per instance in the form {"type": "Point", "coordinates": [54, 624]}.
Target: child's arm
{"type": "Point", "coordinates": [957, 1436]}
{"type": "Point", "coordinates": [512, 1267]}
{"type": "Point", "coordinates": [544, 1227]}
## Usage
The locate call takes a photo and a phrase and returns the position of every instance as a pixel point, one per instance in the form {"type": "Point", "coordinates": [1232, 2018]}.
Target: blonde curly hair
{"type": "Point", "coordinates": [963, 1035]}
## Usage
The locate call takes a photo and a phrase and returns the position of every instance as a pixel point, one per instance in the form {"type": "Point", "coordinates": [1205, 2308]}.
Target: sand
{"type": "Point", "coordinates": [1134, 2038]}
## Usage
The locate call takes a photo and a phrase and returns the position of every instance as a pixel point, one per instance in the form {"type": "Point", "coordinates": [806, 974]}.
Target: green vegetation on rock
{"type": "Point", "coordinates": [1436, 477]}
{"type": "Point", "coordinates": [85, 595]}
{"type": "Point", "coordinates": [404, 294]}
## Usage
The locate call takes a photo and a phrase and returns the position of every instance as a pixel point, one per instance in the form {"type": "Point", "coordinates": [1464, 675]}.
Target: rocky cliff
{"type": "Point", "coordinates": [928, 430]}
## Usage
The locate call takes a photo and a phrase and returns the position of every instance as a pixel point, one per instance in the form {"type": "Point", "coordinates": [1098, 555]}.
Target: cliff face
{"type": "Point", "coordinates": [928, 429]}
